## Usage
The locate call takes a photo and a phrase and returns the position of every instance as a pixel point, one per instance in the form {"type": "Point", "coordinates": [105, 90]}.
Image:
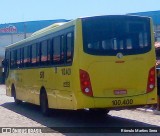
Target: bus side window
{"type": "Point", "coordinates": [38, 54]}
{"type": "Point", "coordinates": [29, 55]}
{"type": "Point", "coordinates": [18, 58]}
{"type": "Point", "coordinates": [7, 55]}
{"type": "Point", "coordinates": [13, 58]}
{"type": "Point", "coordinates": [5, 63]}
{"type": "Point", "coordinates": [34, 55]}
{"type": "Point", "coordinates": [70, 44]}
{"type": "Point", "coordinates": [22, 56]}
{"type": "Point", "coordinates": [56, 50]}
{"type": "Point", "coordinates": [43, 52]}
{"type": "Point", "coordinates": [49, 51]}
{"type": "Point", "coordinates": [26, 56]}
{"type": "Point", "coordinates": [63, 46]}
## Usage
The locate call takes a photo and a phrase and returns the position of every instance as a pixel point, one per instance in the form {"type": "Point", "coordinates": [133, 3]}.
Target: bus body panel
{"type": "Point", "coordinates": [107, 75]}
{"type": "Point", "coordinates": [84, 101]}
{"type": "Point", "coordinates": [28, 88]}
{"type": "Point", "coordinates": [110, 73]}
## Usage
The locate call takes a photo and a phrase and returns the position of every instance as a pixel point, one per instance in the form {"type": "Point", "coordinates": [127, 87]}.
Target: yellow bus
{"type": "Point", "coordinates": [97, 63]}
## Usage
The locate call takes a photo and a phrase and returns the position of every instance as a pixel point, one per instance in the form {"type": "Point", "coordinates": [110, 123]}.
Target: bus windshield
{"type": "Point", "coordinates": [109, 35]}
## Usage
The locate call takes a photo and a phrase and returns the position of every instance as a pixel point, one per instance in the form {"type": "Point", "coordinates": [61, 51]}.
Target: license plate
{"type": "Point", "coordinates": [120, 92]}
{"type": "Point", "coordinates": [123, 102]}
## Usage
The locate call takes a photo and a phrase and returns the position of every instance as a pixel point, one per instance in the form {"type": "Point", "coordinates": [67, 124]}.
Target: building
{"type": "Point", "coordinates": [155, 15]}
{"type": "Point", "coordinates": [14, 32]}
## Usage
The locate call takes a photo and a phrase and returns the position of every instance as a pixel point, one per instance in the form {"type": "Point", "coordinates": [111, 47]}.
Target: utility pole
{"type": "Point", "coordinates": [25, 29]}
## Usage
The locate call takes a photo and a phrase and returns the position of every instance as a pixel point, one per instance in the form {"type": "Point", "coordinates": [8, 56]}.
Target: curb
{"type": "Point", "coordinates": [156, 112]}
{"type": "Point", "coordinates": [145, 110]}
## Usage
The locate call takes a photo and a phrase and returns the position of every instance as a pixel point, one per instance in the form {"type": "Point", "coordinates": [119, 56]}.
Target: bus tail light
{"type": "Point", "coordinates": [85, 83]}
{"type": "Point", "coordinates": [151, 80]}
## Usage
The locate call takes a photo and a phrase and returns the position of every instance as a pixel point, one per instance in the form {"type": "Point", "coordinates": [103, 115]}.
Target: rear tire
{"type": "Point", "coordinates": [44, 103]}
{"type": "Point", "coordinates": [14, 96]}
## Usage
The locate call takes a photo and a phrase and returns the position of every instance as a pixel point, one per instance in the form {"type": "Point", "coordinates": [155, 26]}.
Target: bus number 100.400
{"type": "Point", "coordinates": [122, 102]}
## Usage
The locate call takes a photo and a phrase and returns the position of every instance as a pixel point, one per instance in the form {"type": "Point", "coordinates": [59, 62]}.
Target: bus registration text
{"type": "Point", "coordinates": [122, 102]}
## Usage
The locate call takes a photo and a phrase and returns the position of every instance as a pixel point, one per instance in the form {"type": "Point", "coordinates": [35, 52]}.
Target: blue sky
{"type": "Point", "coordinates": [30, 10]}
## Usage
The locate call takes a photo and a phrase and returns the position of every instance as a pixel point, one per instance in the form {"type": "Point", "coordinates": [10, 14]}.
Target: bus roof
{"type": "Point", "coordinates": [42, 32]}
{"type": "Point", "coordinates": [56, 27]}
{"type": "Point", "coordinates": [48, 28]}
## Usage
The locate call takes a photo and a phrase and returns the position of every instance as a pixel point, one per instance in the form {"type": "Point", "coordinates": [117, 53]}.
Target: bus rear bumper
{"type": "Point", "coordinates": [117, 103]}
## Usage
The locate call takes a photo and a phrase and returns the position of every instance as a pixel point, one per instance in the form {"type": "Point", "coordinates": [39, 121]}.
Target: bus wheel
{"type": "Point", "coordinates": [14, 96]}
{"type": "Point", "coordinates": [44, 103]}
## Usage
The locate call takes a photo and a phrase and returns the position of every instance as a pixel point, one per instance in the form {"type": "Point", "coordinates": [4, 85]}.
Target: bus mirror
{"type": "Point", "coordinates": [4, 62]}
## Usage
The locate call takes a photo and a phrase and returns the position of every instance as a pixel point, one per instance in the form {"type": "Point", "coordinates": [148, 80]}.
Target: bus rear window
{"type": "Point", "coordinates": [109, 35]}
